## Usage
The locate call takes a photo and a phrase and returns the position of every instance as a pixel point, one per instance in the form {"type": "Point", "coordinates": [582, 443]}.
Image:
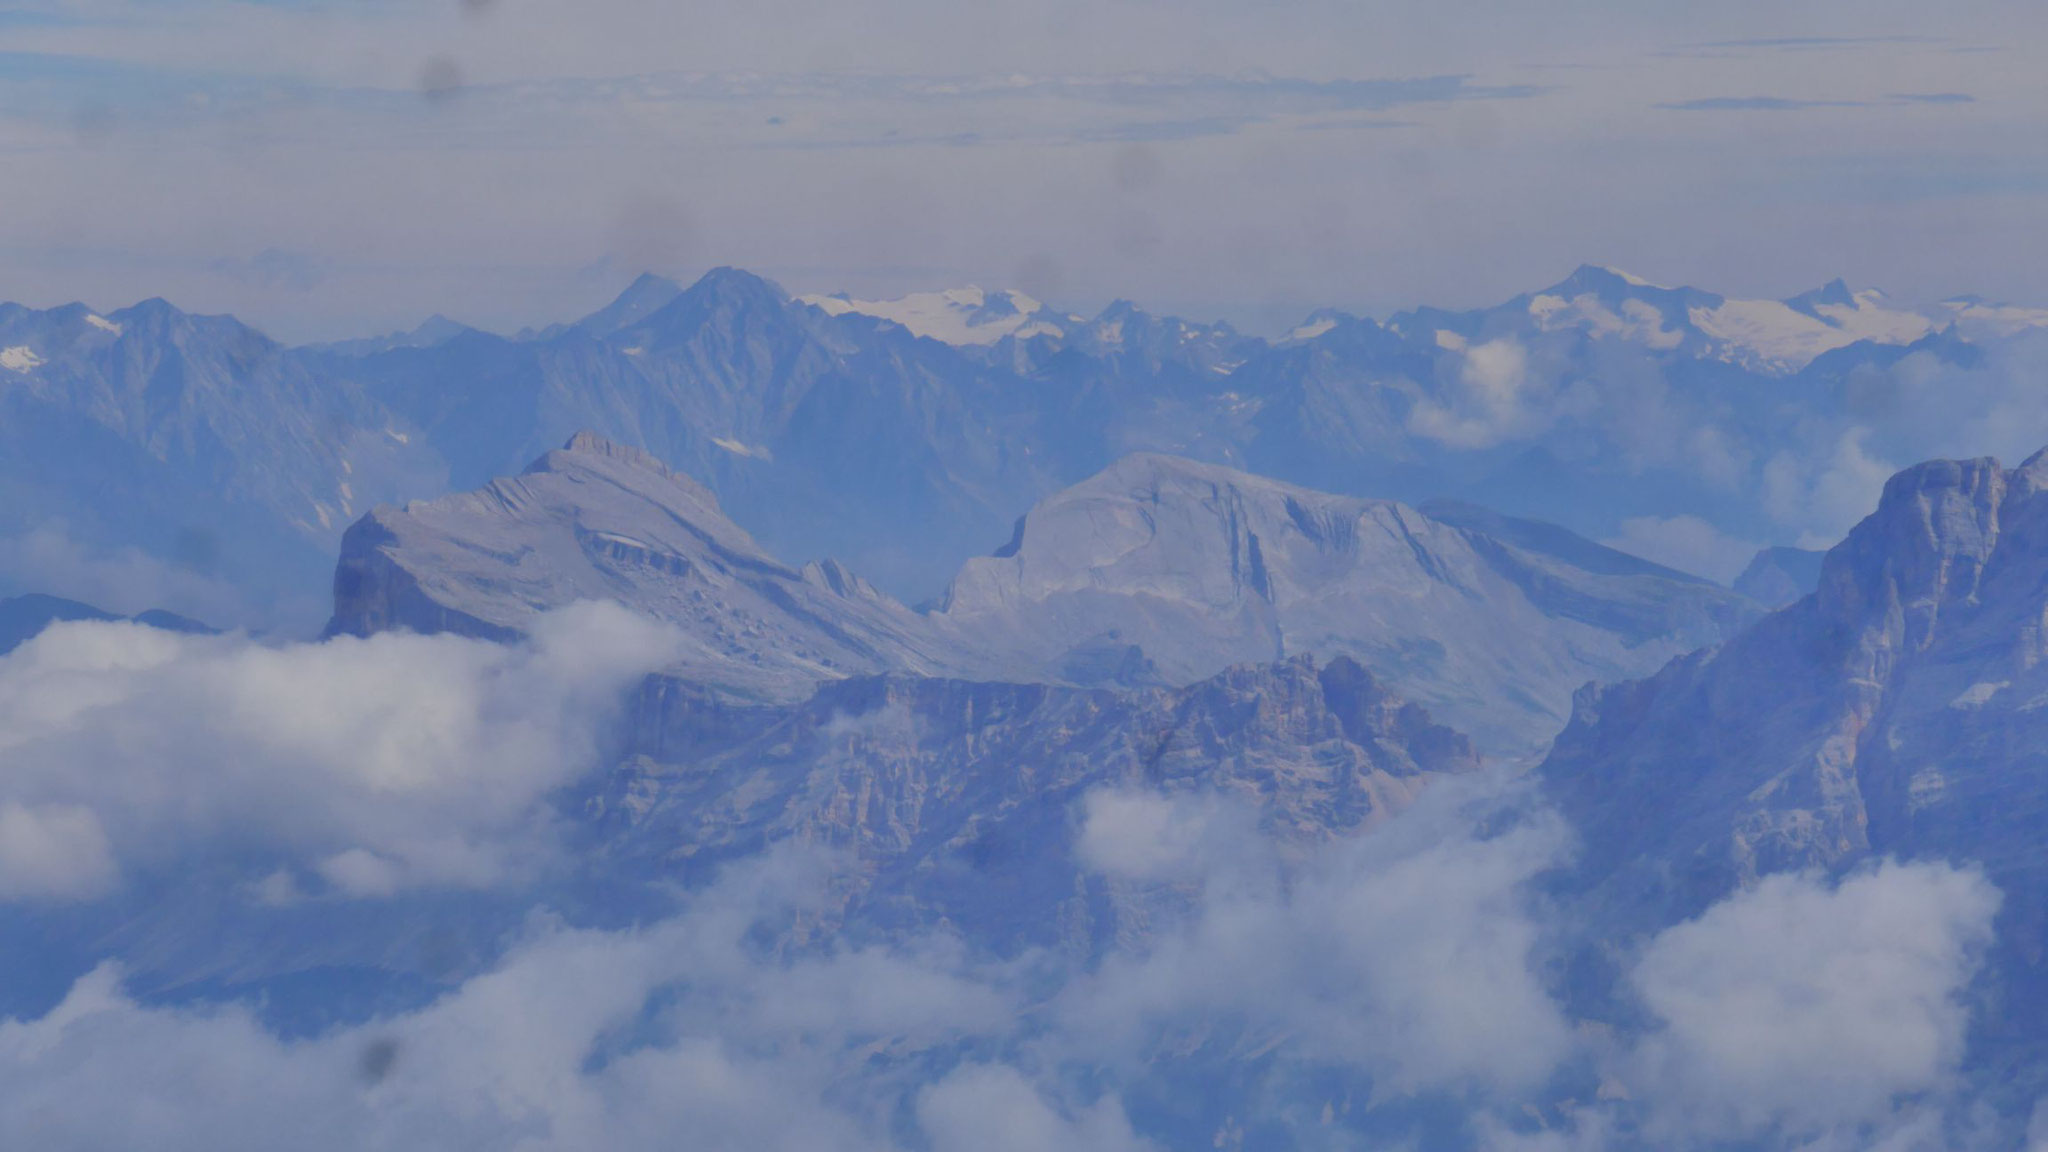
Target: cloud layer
{"type": "Point", "coordinates": [1313, 992]}
{"type": "Point", "coordinates": [364, 767]}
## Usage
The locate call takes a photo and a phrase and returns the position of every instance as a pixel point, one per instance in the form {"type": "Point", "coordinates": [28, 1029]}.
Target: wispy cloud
{"type": "Point", "coordinates": [1817, 43]}
{"type": "Point", "coordinates": [1757, 104]}
{"type": "Point", "coordinates": [801, 111]}
{"type": "Point", "coordinates": [1932, 97]}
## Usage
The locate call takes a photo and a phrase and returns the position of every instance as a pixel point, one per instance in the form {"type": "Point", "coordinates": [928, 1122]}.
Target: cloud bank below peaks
{"type": "Point", "coordinates": [1301, 992]}
{"type": "Point", "coordinates": [357, 767]}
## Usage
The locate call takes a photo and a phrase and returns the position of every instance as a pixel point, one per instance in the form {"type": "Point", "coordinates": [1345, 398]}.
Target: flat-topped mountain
{"type": "Point", "coordinates": [1170, 569]}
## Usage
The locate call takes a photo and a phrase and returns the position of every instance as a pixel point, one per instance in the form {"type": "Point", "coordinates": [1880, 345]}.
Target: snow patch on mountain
{"type": "Point", "coordinates": [1635, 320]}
{"type": "Point", "coordinates": [1628, 278]}
{"type": "Point", "coordinates": [102, 323]}
{"type": "Point", "coordinates": [1776, 336]}
{"type": "Point", "coordinates": [741, 448]}
{"type": "Point", "coordinates": [1978, 317]}
{"type": "Point", "coordinates": [963, 317]}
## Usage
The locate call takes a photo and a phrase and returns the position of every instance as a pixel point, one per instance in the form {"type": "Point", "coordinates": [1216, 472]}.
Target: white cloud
{"type": "Point", "coordinates": [1404, 953]}
{"type": "Point", "coordinates": [575, 1040]}
{"type": "Point", "coordinates": [378, 765]}
{"type": "Point", "coordinates": [1406, 957]}
{"type": "Point", "coordinates": [56, 851]}
{"type": "Point", "coordinates": [1686, 543]}
{"type": "Point", "coordinates": [982, 1108]}
{"type": "Point", "coordinates": [1823, 494]}
{"type": "Point", "coordinates": [1487, 404]}
{"type": "Point", "coordinates": [1146, 836]}
{"type": "Point", "coordinates": [1804, 1007]}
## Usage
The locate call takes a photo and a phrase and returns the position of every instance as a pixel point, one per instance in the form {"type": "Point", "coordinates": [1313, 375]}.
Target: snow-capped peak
{"type": "Point", "coordinates": [1775, 336]}
{"type": "Point", "coordinates": [1313, 330]}
{"type": "Point", "coordinates": [1628, 278]}
{"type": "Point", "coordinates": [959, 316]}
{"type": "Point", "coordinates": [1974, 315]}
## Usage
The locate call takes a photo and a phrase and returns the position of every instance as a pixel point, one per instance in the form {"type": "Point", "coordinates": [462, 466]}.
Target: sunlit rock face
{"type": "Point", "coordinates": [600, 521]}
{"type": "Point", "coordinates": [1183, 568]}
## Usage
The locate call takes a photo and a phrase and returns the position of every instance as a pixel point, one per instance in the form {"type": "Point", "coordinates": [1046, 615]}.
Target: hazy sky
{"type": "Point", "coordinates": [327, 169]}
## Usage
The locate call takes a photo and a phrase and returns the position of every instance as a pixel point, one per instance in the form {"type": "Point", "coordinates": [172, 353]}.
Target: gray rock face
{"type": "Point", "coordinates": [1172, 569]}
{"type": "Point", "coordinates": [1158, 572]}
{"type": "Point", "coordinates": [957, 801]}
{"type": "Point", "coordinates": [597, 521]}
{"type": "Point", "coordinates": [1778, 576]}
{"type": "Point", "coordinates": [1902, 710]}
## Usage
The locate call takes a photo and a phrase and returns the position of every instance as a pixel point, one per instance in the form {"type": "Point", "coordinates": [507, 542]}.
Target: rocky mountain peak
{"type": "Point", "coordinates": [1605, 283]}
{"type": "Point", "coordinates": [2030, 478]}
{"type": "Point", "coordinates": [597, 520]}
{"type": "Point", "coordinates": [1926, 546]}
{"type": "Point", "coordinates": [1835, 293]}
{"type": "Point", "coordinates": [1897, 711]}
{"type": "Point", "coordinates": [588, 443]}
{"type": "Point", "coordinates": [734, 286]}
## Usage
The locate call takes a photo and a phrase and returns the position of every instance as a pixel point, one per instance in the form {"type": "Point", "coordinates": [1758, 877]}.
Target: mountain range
{"type": "Point", "coordinates": [903, 437]}
{"type": "Point", "coordinates": [1157, 572]}
{"type": "Point", "coordinates": [1298, 741]}
{"type": "Point", "coordinates": [1139, 753]}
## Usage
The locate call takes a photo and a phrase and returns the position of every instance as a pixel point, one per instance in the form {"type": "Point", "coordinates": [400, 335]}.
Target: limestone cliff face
{"type": "Point", "coordinates": [958, 802]}
{"type": "Point", "coordinates": [1901, 710]}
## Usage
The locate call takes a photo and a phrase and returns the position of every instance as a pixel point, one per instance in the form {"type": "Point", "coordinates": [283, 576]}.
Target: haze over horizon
{"type": "Point", "coordinates": [328, 170]}
{"type": "Point", "coordinates": [628, 575]}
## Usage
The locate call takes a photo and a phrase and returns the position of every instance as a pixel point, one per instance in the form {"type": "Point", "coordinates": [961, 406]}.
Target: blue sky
{"type": "Point", "coordinates": [331, 168]}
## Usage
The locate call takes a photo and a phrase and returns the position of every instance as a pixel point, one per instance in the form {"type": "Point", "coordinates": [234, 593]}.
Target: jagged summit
{"type": "Point", "coordinates": [1835, 293]}
{"type": "Point", "coordinates": [724, 304]}
{"type": "Point", "coordinates": [1601, 279]}
{"type": "Point", "coordinates": [588, 443]}
{"type": "Point", "coordinates": [841, 436]}
{"type": "Point", "coordinates": [596, 520]}
{"type": "Point", "coordinates": [734, 285]}
{"type": "Point", "coordinates": [963, 317]}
